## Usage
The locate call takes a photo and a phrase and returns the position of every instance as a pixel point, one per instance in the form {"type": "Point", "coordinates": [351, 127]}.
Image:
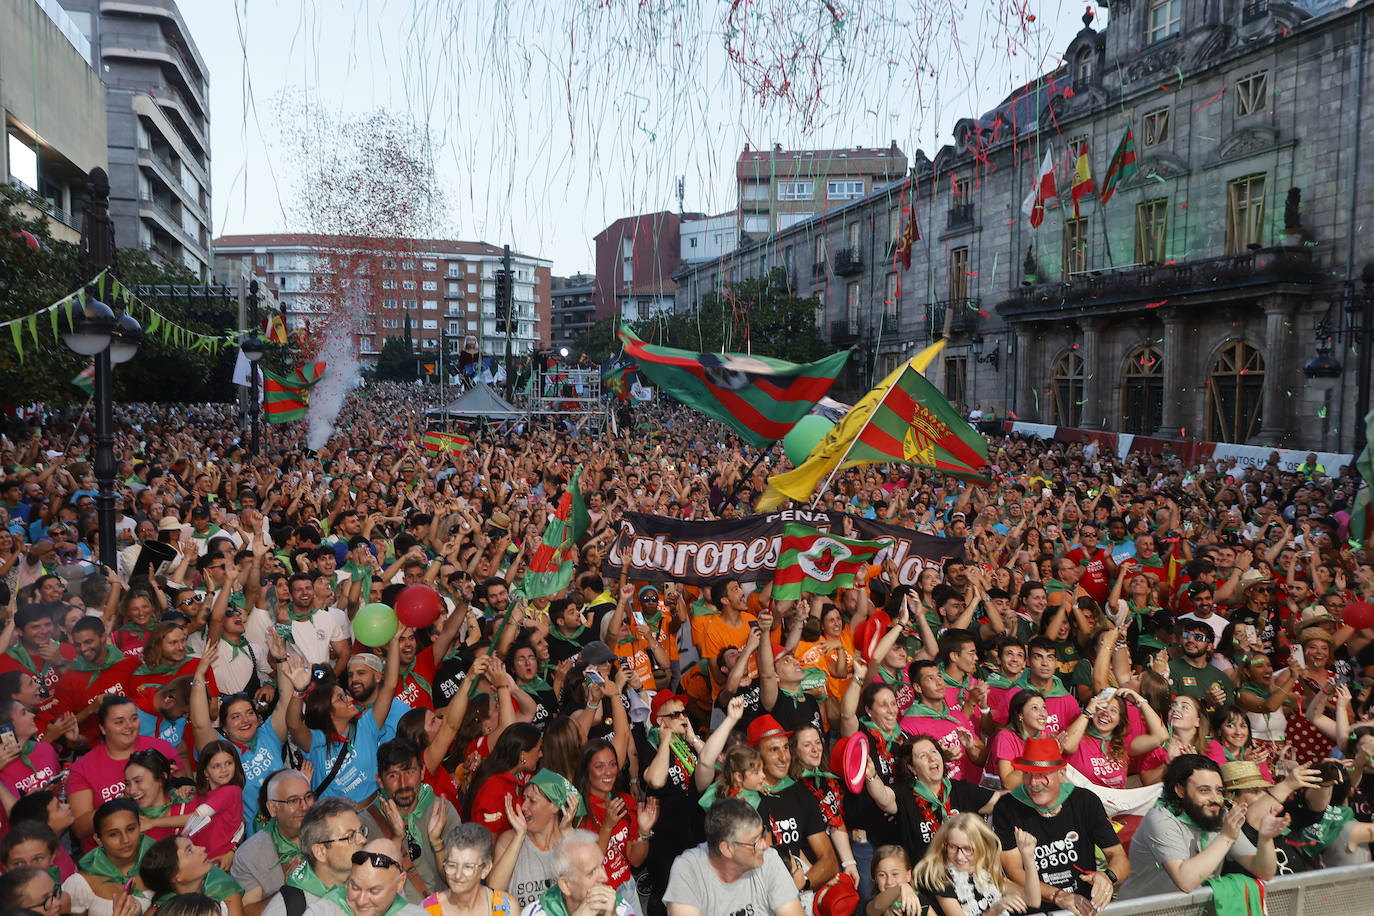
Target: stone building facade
{"type": "Point", "coordinates": [1189, 303]}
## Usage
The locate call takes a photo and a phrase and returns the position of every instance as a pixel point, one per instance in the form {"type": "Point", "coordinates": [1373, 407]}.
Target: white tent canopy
{"type": "Point", "coordinates": [479, 402]}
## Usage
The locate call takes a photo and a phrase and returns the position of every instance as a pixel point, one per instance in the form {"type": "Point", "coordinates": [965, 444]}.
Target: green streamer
{"type": "Point", "coordinates": [16, 332]}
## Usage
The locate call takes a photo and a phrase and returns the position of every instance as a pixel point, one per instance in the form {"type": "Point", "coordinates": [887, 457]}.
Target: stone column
{"type": "Point", "coordinates": [1175, 348]}
{"type": "Point", "coordinates": [1096, 385]}
{"type": "Point", "coordinates": [1279, 351]}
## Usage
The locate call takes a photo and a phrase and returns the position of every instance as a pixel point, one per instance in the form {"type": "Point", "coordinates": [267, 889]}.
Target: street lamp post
{"type": "Point", "coordinates": [1359, 309]}
{"type": "Point", "coordinates": [253, 348]}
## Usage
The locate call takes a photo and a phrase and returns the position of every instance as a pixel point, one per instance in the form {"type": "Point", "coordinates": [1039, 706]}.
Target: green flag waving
{"type": "Point", "coordinates": [550, 570]}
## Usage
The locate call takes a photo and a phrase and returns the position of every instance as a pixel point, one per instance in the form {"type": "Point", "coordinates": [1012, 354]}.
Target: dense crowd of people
{"type": "Point", "coordinates": [1136, 678]}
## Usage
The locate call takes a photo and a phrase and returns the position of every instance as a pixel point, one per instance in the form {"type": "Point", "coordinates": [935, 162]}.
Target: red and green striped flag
{"type": "Point", "coordinates": [1122, 166]}
{"type": "Point", "coordinates": [914, 424]}
{"type": "Point", "coordinates": [85, 380]}
{"type": "Point", "coordinates": [551, 570]}
{"type": "Point", "coordinates": [759, 397]}
{"type": "Point", "coordinates": [818, 563]}
{"type": "Point", "coordinates": [1362, 513]}
{"type": "Point", "coordinates": [286, 398]}
{"type": "Point", "coordinates": [444, 442]}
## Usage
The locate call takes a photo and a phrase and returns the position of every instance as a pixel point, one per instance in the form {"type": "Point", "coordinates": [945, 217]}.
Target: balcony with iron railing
{"type": "Point", "coordinates": [844, 332]}
{"type": "Point", "coordinates": [962, 315]}
{"type": "Point", "coordinates": [848, 262]}
{"type": "Point", "coordinates": [1139, 283]}
{"type": "Point", "coordinates": [49, 206]}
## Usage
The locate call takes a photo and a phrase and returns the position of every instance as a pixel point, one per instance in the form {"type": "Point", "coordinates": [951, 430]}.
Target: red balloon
{"type": "Point", "coordinates": [1359, 614]}
{"type": "Point", "coordinates": [417, 606]}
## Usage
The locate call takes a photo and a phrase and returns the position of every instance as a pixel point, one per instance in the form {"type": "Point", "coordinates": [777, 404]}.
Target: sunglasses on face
{"type": "Point", "coordinates": [376, 860]}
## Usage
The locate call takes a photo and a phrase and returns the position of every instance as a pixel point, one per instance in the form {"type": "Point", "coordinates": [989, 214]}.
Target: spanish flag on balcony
{"type": "Point", "coordinates": [1082, 179]}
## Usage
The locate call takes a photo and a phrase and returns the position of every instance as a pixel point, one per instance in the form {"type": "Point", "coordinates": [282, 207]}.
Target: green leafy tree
{"type": "Point", "coordinates": [396, 361]}
{"type": "Point", "coordinates": [757, 315]}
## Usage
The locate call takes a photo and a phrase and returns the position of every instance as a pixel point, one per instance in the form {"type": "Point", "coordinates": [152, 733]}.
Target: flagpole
{"type": "Point", "coordinates": [1106, 238]}
{"type": "Point", "coordinates": [739, 484]}
{"type": "Point", "coordinates": [839, 464]}
{"type": "Point", "coordinates": [76, 428]}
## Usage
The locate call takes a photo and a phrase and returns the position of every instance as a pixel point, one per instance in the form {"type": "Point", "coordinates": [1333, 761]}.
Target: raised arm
{"type": "Point", "coordinates": [705, 772]}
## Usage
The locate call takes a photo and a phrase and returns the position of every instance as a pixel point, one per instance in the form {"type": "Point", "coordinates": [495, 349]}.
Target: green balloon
{"type": "Point", "coordinates": [374, 625]}
{"type": "Point", "coordinates": [804, 436]}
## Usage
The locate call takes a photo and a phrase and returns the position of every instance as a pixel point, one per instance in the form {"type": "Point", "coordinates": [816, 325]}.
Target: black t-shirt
{"type": "Point", "coordinates": [1063, 843]}
{"type": "Point", "coordinates": [912, 810]}
{"type": "Point", "coordinates": [562, 647]}
{"type": "Point", "coordinates": [793, 713]}
{"type": "Point", "coordinates": [678, 808]}
{"type": "Point", "coordinates": [449, 679]}
{"type": "Point", "coordinates": [792, 815]}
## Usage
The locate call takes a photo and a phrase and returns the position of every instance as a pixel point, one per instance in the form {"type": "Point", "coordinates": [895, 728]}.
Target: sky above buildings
{"type": "Point", "coordinates": [547, 120]}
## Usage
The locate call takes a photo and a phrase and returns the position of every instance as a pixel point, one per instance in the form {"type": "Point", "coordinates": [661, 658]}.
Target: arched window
{"type": "Point", "coordinates": [1066, 389]}
{"type": "Point", "coordinates": [1083, 67]}
{"type": "Point", "coordinates": [1142, 392]}
{"type": "Point", "coordinates": [1235, 398]}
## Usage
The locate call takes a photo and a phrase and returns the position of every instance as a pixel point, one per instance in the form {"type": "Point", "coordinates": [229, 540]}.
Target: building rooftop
{"type": "Point", "coordinates": [754, 163]}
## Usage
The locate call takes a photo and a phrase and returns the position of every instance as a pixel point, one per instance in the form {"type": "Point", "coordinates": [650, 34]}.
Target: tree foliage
{"type": "Point", "coordinates": [396, 361]}
{"type": "Point", "coordinates": [38, 278]}
{"type": "Point", "coordinates": [758, 315]}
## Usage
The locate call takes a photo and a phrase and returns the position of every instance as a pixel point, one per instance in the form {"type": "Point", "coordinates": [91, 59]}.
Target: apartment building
{"type": "Point", "coordinates": [573, 311]}
{"type": "Point", "coordinates": [447, 287]}
{"type": "Point", "coordinates": [778, 188]}
{"type": "Point", "coordinates": [157, 117]}
{"type": "Point", "coordinates": [54, 110]}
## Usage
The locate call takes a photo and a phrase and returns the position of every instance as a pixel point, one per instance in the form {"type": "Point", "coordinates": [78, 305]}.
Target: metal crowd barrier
{"type": "Point", "coordinates": [1345, 891]}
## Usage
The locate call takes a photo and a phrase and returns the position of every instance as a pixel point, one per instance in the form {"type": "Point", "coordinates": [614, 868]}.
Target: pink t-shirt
{"type": "Point", "coordinates": [1061, 712]}
{"type": "Point", "coordinates": [1006, 745]}
{"type": "Point", "coordinates": [1091, 759]}
{"type": "Point", "coordinates": [1218, 753]}
{"type": "Point", "coordinates": [999, 701]}
{"type": "Point", "coordinates": [103, 776]}
{"type": "Point", "coordinates": [219, 835]}
{"type": "Point", "coordinates": [21, 780]}
{"type": "Point", "coordinates": [945, 732]}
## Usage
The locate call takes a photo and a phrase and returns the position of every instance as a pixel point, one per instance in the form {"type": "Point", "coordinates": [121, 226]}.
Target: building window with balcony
{"type": "Point", "coordinates": [958, 274]}
{"type": "Point", "coordinates": [1142, 392]}
{"type": "Point", "coordinates": [819, 253]}
{"type": "Point", "coordinates": [1235, 393]}
{"type": "Point", "coordinates": [1082, 68]}
{"type": "Point", "coordinates": [1163, 20]}
{"type": "Point", "coordinates": [1075, 246]}
{"type": "Point", "coordinates": [1252, 93]}
{"type": "Point", "coordinates": [1066, 389]}
{"type": "Point", "coordinates": [894, 228]}
{"type": "Point", "coordinates": [796, 190]}
{"type": "Point", "coordinates": [453, 327]}
{"type": "Point", "coordinates": [851, 306]}
{"type": "Point", "coordinates": [956, 382]}
{"type": "Point", "coordinates": [844, 189]}
{"type": "Point", "coordinates": [1151, 221]}
{"type": "Point", "coordinates": [1244, 213]}
{"type": "Point", "coordinates": [892, 297]}
{"type": "Point", "coordinates": [851, 233]}
{"type": "Point", "coordinates": [1154, 128]}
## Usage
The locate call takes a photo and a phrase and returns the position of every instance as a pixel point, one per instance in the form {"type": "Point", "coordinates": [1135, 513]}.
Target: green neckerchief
{"type": "Point", "coordinates": [112, 657]}
{"type": "Point", "coordinates": [536, 686]}
{"type": "Point", "coordinates": [137, 629]}
{"type": "Point", "coordinates": [299, 617]}
{"type": "Point", "coordinates": [1226, 752]}
{"type": "Point", "coordinates": [238, 647]}
{"type": "Point", "coordinates": [782, 786]}
{"type": "Point", "coordinates": [921, 710]}
{"type": "Point", "coordinates": [1257, 690]}
{"type": "Point", "coordinates": [97, 863]}
{"type": "Point", "coordinates": [891, 737]}
{"type": "Point", "coordinates": [422, 802]}
{"type": "Point", "coordinates": [165, 668]}
{"type": "Point", "coordinates": [217, 885]}
{"type": "Point", "coordinates": [1187, 821]}
{"type": "Point", "coordinates": [995, 678]}
{"type": "Point", "coordinates": [571, 639]}
{"type": "Point", "coordinates": [926, 792]}
{"type": "Point", "coordinates": [1056, 688]}
{"type": "Point", "coordinates": [680, 748]}
{"type": "Point", "coordinates": [797, 695]}
{"type": "Point", "coordinates": [1101, 740]}
{"type": "Point", "coordinates": [1054, 585]}
{"type": "Point", "coordinates": [551, 901]}
{"type": "Point", "coordinates": [893, 680]}
{"type": "Point", "coordinates": [156, 810]}
{"type": "Point", "coordinates": [286, 849]}
{"type": "Point", "coordinates": [22, 656]}
{"type": "Point", "coordinates": [817, 773]}
{"type": "Point", "coordinates": [304, 878]}
{"type": "Point", "coordinates": [708, 798]}
{"type": "Point", "coordinates": [962, 686]}
{"type": "Point", "coordinates": [1021, 794]}
{"type": "Point", "coordinates": [410, 672]}
{"type": "Point", "coordinates": [24, 753]}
